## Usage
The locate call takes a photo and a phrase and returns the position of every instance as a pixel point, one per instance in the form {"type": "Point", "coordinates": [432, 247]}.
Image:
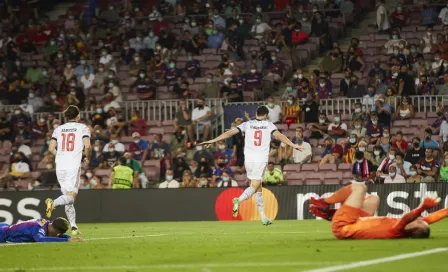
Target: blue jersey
{"type": "Point", "coordinates": [35, 230]}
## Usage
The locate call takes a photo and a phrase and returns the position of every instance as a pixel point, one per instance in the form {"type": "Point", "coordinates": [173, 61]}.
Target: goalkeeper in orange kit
{"type": "Point", "coordinates": [354, 219]}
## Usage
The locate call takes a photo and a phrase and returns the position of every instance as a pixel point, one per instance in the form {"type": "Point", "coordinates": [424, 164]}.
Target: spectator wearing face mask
{"type": "Point", "coordinates": [383, 168]}
{"type": "Point", "coordinates": [117, 146]}
{"type": "Point", "coordinates": [226, 180]}
{"type": "Point", "coordinates": [416, 153]}
{"type": "Point", "coordinates": [273, 176]}
{"type": "Point", "coordinates": [275, 111]}
{"type": "Point", "coordinates": [220, 168]}
{"type": "Point", "coordinates": [323, 89]}
{"type": "Point", "coordinates": [144, 86]}
{"type": "Point", "coordinates": [374, 130]}
{"type": "Point", "coordinates": [393, 176]}
{"type": "Point", "coordinates": [337, 129]}
{"type": "Point", "coordinates": [201, 116]}
{"type": "Point", "coordinates": [350, 149]}
{"type": "Point", "coordinates": [292, 111]}
{"type": "Point", "coordinates": [110, 157]}
{"type": "Point", "coordinates": [260, 30]}
{"type": "Point", "coordinates": [96, 157]}
{"type": "Point", "coordinates": [169, 182]}
{"type": "Point", "coordinates": [362, 167]}
{"type": "Point", "coordinates": [223, 152]}
{"type": "Point", "coordinates": [276, 70]}
{"type": "Point", "coordinates": [427, 142]}
{"type": "Point", "coordinates": [394, 42]}
{"type": "Point", "coordinates": [414, 176]}
{"type": "Point", "coordinates": [127, 53]}
{"type": "Point", "coordinates": [172, 73]}
{"type": "Point", "coordinates": [139, 148]}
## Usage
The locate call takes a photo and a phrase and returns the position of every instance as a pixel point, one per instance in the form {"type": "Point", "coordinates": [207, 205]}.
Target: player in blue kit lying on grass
{"type": "Point", "coordinates": [37, 230]}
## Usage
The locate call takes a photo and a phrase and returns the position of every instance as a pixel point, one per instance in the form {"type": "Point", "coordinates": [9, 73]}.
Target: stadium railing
{"type": "Point", "coordinates": [346, 105]}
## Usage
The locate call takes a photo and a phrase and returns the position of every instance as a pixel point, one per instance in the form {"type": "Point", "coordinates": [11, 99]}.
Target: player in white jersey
{"type": "Point", "coordinates": [67, 144]}
{"type": "Point", "coordinates": [258, 134]}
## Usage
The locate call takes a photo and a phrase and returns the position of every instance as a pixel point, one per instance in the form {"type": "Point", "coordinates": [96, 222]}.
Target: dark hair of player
{"type": "Point", "coordinates": [359, 155]}
{"type": "Point", "coordinates": [60, 225]}
{"type": "Point", "coordinates": [71, 112]}
{"type": "Point", "coordinates": [122, 160]}
{"type": "Point", "coordinates": [262, 111]}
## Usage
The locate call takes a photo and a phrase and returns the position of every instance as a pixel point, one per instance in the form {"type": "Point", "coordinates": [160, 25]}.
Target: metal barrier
{"type": "Point", "coordinates": [346, 105]}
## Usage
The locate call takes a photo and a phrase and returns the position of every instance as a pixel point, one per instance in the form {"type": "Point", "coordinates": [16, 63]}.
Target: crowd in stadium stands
{"type": "Point", "coordinates": [100, 55]}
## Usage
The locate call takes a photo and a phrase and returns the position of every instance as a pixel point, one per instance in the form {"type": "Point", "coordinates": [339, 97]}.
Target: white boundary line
{"type": "Point", "coordinates": [170, 266]}
{"type": "Point", "coordinates": [379, 261]}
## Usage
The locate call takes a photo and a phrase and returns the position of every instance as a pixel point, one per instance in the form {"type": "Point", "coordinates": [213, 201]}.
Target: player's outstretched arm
{"type": "Point", "coordinates": [40, 238]}
{"type": "Point", "coordinates": [52, 147]}
{"type": "Point", "coordinates": [285, 140]}
{"type": "Point", "coordinates": [223, 136]}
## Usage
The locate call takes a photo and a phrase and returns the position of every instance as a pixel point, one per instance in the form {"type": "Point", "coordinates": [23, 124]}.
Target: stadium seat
{"type": "Point", "coordinates": [327, 167]}
{"type": "Point", "coordinates": [314, 178]}
{"type": "Point", "coordinates": [309, 167]}
{"type": "Point", "coordinates": [292, 168]}
{"type": "Point", "coordinates": [345, 166]}
{"type": "Point", "coordinates": [333, 178]}
{"type": "Point", "coordinates": [401, 123]}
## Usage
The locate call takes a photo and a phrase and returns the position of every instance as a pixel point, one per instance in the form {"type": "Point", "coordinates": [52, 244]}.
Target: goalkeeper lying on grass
{"type": "Point", "coordinates": [37, 230]}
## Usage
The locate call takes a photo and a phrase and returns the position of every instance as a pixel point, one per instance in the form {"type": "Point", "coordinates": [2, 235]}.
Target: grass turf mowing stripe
{"type": "Point", "coordinates": [379, 261]}
{"type": "Point", "coordinates": [170, 266]}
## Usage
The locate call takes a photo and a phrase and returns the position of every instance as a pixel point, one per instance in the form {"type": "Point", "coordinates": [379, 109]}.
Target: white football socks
{"type": "Point", "coordinates": [63, 200]}
{"type": "Point", "coordinates": [260, 204]}
{"type": "Point", "coordinates": [247, 194]}
{"type": "Point", "coordinates": [71, 214]}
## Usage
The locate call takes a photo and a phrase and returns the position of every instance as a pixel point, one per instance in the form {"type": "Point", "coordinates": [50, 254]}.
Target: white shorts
{"type": "Point", "coordinates": [255, 170]}
{"type": "Point", "coordinates": [69, 180]}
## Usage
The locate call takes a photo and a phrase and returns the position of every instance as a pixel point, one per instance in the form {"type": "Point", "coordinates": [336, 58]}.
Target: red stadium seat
{"type": "Point", "coordinates": [309, 167]}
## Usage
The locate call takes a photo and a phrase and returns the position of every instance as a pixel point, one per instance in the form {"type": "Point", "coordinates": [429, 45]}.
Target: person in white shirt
{"type": "Point", "coordinates": [303, 156]}
{"type": "Point", "coordinates": [108, 60]}
{"type": "Point", "coordinates": [260, 29]}
{"type": "Point", "coordinates": [443, 15]}
{"type": "Point", "coordinates": [87, 79]}
{"type": "Point", "coordinates": [393, 176]}
{"type": "Point", "coordinates": [119, 147]}
{"type": "Point", "coordinates": [258, 135]}
{"type": "Point", "coordinates": [169, 182]}
{"type": "Point", "coordinates": [444, 130]}
{"type": "Point", "coordinates": [275, 111]}
{"type": "Point", "coordinates": [150, 41]}
{"type": "Point", "coordinates": [201, 116]}
{"type": "Point", "coordinates": [337, 129]}
{"type": "Point", "coordinates": [382, 17]}
{"type": "Point", "coordinates": [67, 144]}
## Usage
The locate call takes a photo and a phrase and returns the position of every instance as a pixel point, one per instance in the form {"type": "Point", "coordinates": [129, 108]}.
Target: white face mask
{"type": "Point", "coordinates": [89, 175]}
{"type": "Point", "coordinates": [169, 178]}
{"type": "Point", "coordinates": [96, 148]}
{"type": "Point", "coordinates": [49, 166]}
{"type": "Point", "coordinates": [362, 149]}
{"type": "Point", "coordinates": [114, 141]}
{"type": "Point", "coordinates": [222, 147]}
{"type": "Point", "coordinates": [391, 157]}
{"type": "Point", "coordinates": [376, 152]}
{"type": "Point", "coordinates": [391, 174]}
{"type": "Point", "coordinates": [357, 126]}
{"type": "Point", "coordinates": [322, 85]}
{"type": "Point", "coordinates": [374, 122]}
{"type": "Point", "coordinates": [136, 141]}
{"type": "Point", "coordinates": [358, 110]}
{"type": "Point", "coordinates": [322, 121]}
{"type": "Point", "coordinates": [199, 148]}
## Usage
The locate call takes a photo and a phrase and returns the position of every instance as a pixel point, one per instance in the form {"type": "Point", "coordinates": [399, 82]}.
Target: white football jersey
{"type": "Point", "coordinates": [69, 138]}
{"type": "Point", "coordinates": [257, 142]}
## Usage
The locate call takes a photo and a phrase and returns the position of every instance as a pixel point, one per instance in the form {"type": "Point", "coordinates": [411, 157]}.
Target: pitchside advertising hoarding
{"type": "Point", "coordinates": [154, 205]}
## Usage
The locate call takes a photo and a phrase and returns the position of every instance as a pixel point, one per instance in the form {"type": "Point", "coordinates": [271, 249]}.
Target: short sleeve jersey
{"type": "Point", "coordinates": [258, 135]}
{"type": "Point", "coordinates": [69, 138]}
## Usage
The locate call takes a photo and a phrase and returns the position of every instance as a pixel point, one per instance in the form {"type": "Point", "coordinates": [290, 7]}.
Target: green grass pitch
{"type": "Point", "coordinates": [221, 246]}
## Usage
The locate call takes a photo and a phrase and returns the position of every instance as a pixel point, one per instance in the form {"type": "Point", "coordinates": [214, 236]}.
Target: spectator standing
{"type": "Point", "coordinates": [183, 119]}
{"type": "Point", "coordinates": [428, 14]}
{"type": "Point", "coordinates": [311, 109]}
{"type": "Point", "coordinates": [382, 17]}
{"type": "Point", "coordinates": [275, 111]}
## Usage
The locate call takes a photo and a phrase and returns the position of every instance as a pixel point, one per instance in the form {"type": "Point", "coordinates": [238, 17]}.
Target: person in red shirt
{"type": "Point", "coordinates": [39, 37]}
{"type": "Point", "coordinates": [399, 18]}
{"type": "Point", "coordinates": [400, 143]}
{"type": "Point", "coordinates": [354, 219]}
{"type": "Point", "coordinates": [333, 152]}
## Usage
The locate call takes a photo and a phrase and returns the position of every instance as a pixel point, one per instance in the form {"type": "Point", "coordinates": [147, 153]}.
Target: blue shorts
{"type": "Point", "coordinates": [2, 234]}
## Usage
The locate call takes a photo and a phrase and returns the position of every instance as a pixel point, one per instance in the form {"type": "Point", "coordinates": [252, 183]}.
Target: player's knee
{"type": "Point", "coordinates": [374, 199]}
{"type": "Point", "coordinates": [72, 195]}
